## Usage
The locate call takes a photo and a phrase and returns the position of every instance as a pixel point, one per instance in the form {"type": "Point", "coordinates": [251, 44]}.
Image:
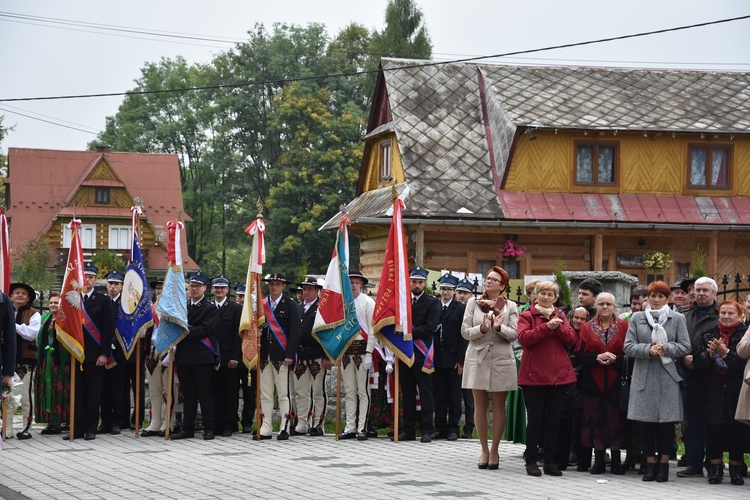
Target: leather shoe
{"type": "Point", "coordinates": [439, 435]}
{"type": "Point", "coordinates": [227, 433]}
{"type": "Point", "coordinates": [372, 434]}
{"type": "Point", "coordinates": [426, 438]}
{"type": "Point", "coordinates": [295, 432]}
{"type": "Point", "coordinates": [691, 471]}
{"type": "Point", "coordinates": [532, 469]}
{"type": "Point", "coordinates": [89, 436]}
{"type": "Point", "coordinates": [283, 436]}
{"type": "Point", "coordinates": [148, 433]}
{"type": "Point", "coordinates": [262, 437]}
{"type": "Point", "coordinates": [552, 470]}
{"type": "Point", "coordinates": [114, 430]}
{"type": "Point", "coordinates": [248, 429]}
{"type": "Point", "coordinates": [466, 435]}
{"type": "Point", "coordinates": [182, 435]}
{"type": "Point", "coordinates": [23, 435]}
{"type": "Point", "coordinates": [316, 431]}
{"type": "Point", "coordinates": [209, 435]}
{"type": "Point", "coordinates": [452, 436]}
{"type": "Point", "coordinates": [347, 435]}
{"type": "Point", "coordinates": [51, 429]}
{"type": "Point", "coordinates": [362, 436]}
{"type": "Point", "coordinates": [403, 436]}
{"type": "Point", "coordinates": [103, 430]}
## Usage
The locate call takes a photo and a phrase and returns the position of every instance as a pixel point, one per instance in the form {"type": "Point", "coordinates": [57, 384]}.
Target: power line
{"type": "Point", "coordinates": [47, 121]}
{"type": "Point", "coordinates": [364, 72]}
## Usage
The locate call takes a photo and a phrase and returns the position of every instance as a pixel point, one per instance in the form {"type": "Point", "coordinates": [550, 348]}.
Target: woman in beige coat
{"type": "Point", "coordinates": [490, 326]}
{"type": "Point", "coordinates": [743, 404]}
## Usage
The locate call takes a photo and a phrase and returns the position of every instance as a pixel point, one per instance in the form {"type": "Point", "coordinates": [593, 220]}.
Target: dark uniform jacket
{"type": "Point", "coordinates": [288, 317]}
{"type": "Point", "coordinates": [425, 317]}
{"type": "Point", "coordinates": [227, 332]}
{"type": "Point", "coordinates": [117, 351]}
{"type": "Point", "coordinates": [309, 347]}
{"type": "Point", "coordinates": [7, 336]}
{"type": "Point", "coordinates": [99, 308]}
{"type": "Point", "coordinates": [450, 346]}
{"type": "Point", "coordinates": [202, 319]}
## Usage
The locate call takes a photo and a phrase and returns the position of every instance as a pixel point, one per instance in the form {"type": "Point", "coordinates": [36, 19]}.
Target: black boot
{"type": "Point", "coordinates": [735, 475]}
{"type": "Point", "coordinates": [599, 466]}
{"type": "Point", "coordinates": [615, 466]}
{"type": "Point", "coordinates": [662, 472]}
{"type": "Point", "coordinates": [715, 473]}
{"type": "Point", "coordinates": [650, 473]}
{"type": "Point", "coordinates": [584, 459]}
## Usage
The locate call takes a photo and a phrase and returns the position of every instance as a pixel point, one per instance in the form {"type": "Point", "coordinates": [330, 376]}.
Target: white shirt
{"type": "Point", "coordinates": [220, 304]}
{"type": "Point", "coordinates": [30, 331]}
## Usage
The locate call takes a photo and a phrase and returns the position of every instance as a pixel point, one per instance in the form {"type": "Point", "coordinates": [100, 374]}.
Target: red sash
{"type": "Point", "coordinates": [273, 323]}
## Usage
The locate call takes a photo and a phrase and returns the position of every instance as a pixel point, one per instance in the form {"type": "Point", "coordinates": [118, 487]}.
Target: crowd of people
{"type": "Point", "coordinates": [592, 383]}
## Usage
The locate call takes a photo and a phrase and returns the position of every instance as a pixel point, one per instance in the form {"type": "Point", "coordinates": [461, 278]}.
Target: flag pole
{"type": "Point", "coordinates": [72, 397]}
{"type": "Point", "coordinates": [338, 399]}
{"type": "Point", "coordinates": [170, 378]}
{"type": "Point", "coordinates": [395, 401]}
{"type": "Point", "coordinates": [258, 409]}
{"type": "Point", "coordinates": [137, 387]}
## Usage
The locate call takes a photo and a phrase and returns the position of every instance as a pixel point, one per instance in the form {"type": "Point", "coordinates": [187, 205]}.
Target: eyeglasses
{"type": "Point", "coordinates": [195, 286]}
{"type": "Point", "coordinates": [493, 279]}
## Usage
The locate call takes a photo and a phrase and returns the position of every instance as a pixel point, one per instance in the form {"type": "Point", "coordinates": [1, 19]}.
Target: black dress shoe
{"type": "Point", "coordinates": [262, 437]}
{"type": "Point", "coordinates": [89, 436]}
{"type": "Point", "coordinates": [295, 432]}
{"type": "Point", "coordinates": [362, 436]}
{"type": "Point", "coordinates": [247, 430]}
{"type": "Point", "coordinates": [103, 430]}
{"type": "Point", "coordinates": [148, 433]}
{"type": "Point", "coordinates": [372, 434]}
{"type": "Point", "coordinates": [551, 470]}
{"type": "Point", "coordinates": [426, 438]}
{"type": "Point", "coordinates": [347, 435]}
{"type": "Point", "coordinates": [182, 435]}
{"type": "Point", "coordinates": [227, 433]}
{"type": "Point", "coordinates": [452, 436]}
{"type": "Point", "coordinates": [23, 435]}
{"type": "Point", "coordinates": [439, 435]}
{"type": "Point", "coordinates": [51, 429]}
{"type": "Point", "coordinates": [114, 430]}
{"type": "Point", "coordinates": [316, 431]}
{"type": "Point", "coordinates": [283, 436]}
{"type": "Point", "coordinates": [403, 436]}
{"type": "Point", "coordinates": [209, 435]}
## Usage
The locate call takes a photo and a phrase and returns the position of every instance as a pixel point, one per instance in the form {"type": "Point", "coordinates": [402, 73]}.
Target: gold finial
{"type": "Point", "coordinates": [138, 202]}
{"type": "Point", "coordinates": [344, 209]}
{"type": "Point", "coordinates": [259, 206]}
{"type": "Point", "coordinates": [394, 194]}
{"type": "Point", "coordinates": [179, 216]}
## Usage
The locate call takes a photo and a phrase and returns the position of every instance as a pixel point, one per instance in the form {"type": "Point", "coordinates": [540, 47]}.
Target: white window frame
{"type": "Point", "coordinates": [122, 237]}
{"type": "Point", "coordinates": [88, 236]}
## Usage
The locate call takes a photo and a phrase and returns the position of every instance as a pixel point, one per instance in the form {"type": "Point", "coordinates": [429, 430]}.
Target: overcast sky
{"type": "Point", "coordinates": [43, 58]}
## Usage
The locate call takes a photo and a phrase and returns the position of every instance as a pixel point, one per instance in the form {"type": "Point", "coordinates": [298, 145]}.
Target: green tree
{"type": "Point", "coordinates": [3, 163]}
{"type": "Point", "coordinates": [107, 262]}
{"type": "Point", "coordinates": [31, 265]}
{"type": "Point", "coordinates": [405, 33]}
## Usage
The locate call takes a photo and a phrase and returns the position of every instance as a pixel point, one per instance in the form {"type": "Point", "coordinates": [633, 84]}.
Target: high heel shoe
{"type": "Point", "coordinates": [483, 465]}
{"type": "Point", "coordinates": [493, 466]}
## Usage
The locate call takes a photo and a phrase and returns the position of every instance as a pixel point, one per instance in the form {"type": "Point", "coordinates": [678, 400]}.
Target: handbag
{"type": "Point", "coordinates": [625, 385]}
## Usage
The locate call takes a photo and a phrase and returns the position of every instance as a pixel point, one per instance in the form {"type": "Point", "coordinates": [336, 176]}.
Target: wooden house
{"type": "Point", "coordinates": [593, 166]}
{"type": "Point", "coordinates": [46, 187]}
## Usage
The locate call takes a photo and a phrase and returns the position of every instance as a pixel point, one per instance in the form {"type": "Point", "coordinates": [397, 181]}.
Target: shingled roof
{"type": "Point", "coordinates": [456, 124]}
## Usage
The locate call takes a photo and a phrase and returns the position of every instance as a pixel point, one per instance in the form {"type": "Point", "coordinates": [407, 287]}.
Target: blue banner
{"type": "Point", "coordinates": [172, 310]}
{"type": "Point", "coordinates": [134, 316]}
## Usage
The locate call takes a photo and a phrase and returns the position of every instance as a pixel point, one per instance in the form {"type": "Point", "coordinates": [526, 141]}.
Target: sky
{"type": "Point", "coordinates": [57, 56]}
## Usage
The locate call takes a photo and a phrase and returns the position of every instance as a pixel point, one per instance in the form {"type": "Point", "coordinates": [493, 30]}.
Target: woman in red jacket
{"type": "Point", "coordinates": [544, 375]}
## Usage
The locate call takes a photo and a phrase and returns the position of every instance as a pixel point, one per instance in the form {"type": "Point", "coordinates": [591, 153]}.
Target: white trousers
{"type": "Point", "coordinates": [157, 385]}
{"type": "Point", "coordinates": [309, 394]}
{"type": "Point", "coordinates": [356, 380]}
{"type": "Point", "coordinates": [27, 399]}
{"type": "Point", "coordinates": [272, 378]}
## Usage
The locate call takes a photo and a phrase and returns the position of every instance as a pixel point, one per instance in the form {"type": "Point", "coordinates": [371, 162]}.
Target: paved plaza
{"type": "Point", "coordinates": [303, 467]}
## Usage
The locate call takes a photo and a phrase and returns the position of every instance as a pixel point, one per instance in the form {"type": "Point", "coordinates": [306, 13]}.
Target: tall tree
{"type": "Point", "coordinates": [405, 33]}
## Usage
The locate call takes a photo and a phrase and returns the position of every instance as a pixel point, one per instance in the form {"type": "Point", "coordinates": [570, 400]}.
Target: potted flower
{"type": "Point", "coordinates": [509, 250]}
{"type": "Point", "coordinates": [656, 261]}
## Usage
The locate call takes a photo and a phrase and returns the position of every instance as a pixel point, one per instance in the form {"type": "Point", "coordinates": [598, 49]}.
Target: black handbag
{"type": "Point", "coordinates": [625, 385]}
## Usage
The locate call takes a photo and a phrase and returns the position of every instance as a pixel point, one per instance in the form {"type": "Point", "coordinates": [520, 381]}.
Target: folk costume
{"type": "Point", "coordinates": [52, 388]}
{"type": "Point", "coordinates": [28, 322]}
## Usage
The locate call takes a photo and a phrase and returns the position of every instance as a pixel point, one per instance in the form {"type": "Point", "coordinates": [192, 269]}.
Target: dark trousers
{"type": "Point", "coordinates": [88, 397]}
{"type": "Point", "coordinates": [196, 384]}
{"type": "Point", "coordinates": [468, 410]}
{"type": "Point", "coordinates": [111, 395]}
{"type": "Point", "coordinates": [727, 437]}
{"type": "Point", "coordinates": [693, 432]}
{"type": "Point", "coordinates": [544, 405]}
{"type": "Point", "coordinates": [128, 389]}
{"type": "Point", "coordinates": [446, 386]}
{"type": "Point", "coordinates": [657, 437]}
{"type": "Point", "coordinates": [248, 395]}
{"type": "Point", "coordinates": [411, 378]}
{"type": "Point", "coordinates": [226, 398]}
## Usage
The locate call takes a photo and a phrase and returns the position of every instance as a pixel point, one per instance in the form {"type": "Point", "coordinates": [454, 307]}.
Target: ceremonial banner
{"type": "Point", "coordinates": [134, 315]}
{"type": "Point", "coordinates": [392, 314]}
{"type": "Point", "coordinates": [69, 322]}
{"type": "Point", "coordinates": [172, 304]}
{"type": "Point", "coordinates": [5, 265]}
{"type": "Point", "coordinates": [252, 309]}
{"type": "Point", "coordinates": [336, 323]}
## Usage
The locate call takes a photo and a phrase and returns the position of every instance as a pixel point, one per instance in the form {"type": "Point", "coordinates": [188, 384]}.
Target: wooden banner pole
{"type": "Point", "coordinates": [338, 399]}
{"type": "Point", "coordinates": [72, 397]}
{"type": "Point", "coordinates": [395, 401]}
{"type": "Point", "coordinates": [138, 368]}
{"type": "Point", "coordinates": [258, 409]}
{"type": "Point", "coordinates": [170, 382]}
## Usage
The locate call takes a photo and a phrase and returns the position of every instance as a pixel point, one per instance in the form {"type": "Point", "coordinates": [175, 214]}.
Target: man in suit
{"type": "Point", "coordinates": [464, 291]}
{"type": "Point", "coordinates": [196, 356]}
{"type": "Point", "coordinates": [450, 349]}
{"type": "Point", "coordinates": [312, 367]}
{"type": "Point", "coordinates": [112, 408]}
{"type": "Point", "coordinates": [279, 339]}
{"type": "Point", "coordinates": [227, 378]}
{"type": "Point", "coordinates": [96, 351]}
{"type": "Point", "coordinates": [425, 317]}
{"type": "Point", "coordinates": [7, 350]}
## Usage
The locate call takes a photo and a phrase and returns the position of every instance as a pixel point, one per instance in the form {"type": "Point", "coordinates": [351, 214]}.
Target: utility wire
{"type": "Point", "coordinates": [48, 121]}
{"type": "Point", "coordinates": [364, 72]}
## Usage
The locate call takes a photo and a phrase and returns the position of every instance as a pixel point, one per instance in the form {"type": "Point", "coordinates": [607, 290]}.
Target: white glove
{"type": "Point", "coordinates": [368, 361]}
{"type": "Point", "coordinates": [389, 367]}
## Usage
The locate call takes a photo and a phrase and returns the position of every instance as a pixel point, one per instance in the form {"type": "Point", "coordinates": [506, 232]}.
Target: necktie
{"type": "Point", "coordinates": [413, 300]}
{"type": "Point", "coordinates": [442, 313]}
{"type": "Point", "coordinates": [218, 306]}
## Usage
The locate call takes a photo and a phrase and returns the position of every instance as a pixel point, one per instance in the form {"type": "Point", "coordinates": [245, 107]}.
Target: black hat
{"type": "Point", "coordinates": [199, 277]}
{"type": "Point", "coordinates": [418, 273]}
{"type": "Point", "coordinates": [158, 281]}
{"type": "Point", "coordinates": [220, 281]}
{"type": "Point", "coordinates": [465, 286]}
{"type": "Point", "coordinates": [311, 281]}
{"type": "Point", "coordinates": [677, 284]}
{"type": "Point", "coordinates": [240, 289]}
{"type": "Point", "coordinates": [115, 277]}
{"type": "Point", "coordinates": [275, 277]}
{"type": "Point", "coordinates": [91, 269]}
{"type": "Point", "coordinates": [448, 281]}
{"type": "Point", "coordinates": [357, 274]}
{"type": "Point", "coordinates": [686, 282]}
{"type": "Point", "coordinates": [29, 290]}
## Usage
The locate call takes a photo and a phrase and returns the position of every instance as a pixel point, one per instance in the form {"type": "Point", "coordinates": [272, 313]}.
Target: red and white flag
{"type": "Point", "coordinates": [69, 322]}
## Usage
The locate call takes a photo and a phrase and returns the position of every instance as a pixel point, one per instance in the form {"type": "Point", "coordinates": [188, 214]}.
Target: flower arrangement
{"type": "Point", "coordinates": [509, 250]}
{"type": "Point", "coordinates": [656, 261]}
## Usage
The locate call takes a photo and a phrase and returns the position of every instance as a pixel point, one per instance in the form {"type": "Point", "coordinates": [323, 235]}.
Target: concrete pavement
{"type": "Point", "coordinates": [237, 467]}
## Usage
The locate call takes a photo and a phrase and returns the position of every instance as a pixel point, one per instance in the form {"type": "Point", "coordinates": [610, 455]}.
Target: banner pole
{"type": "Point", "coordinates": [338, 399]}
{"type": "Point", "coordinates": [170, 386]}
{"type": "Point", "coordinates": [137, 405]}
{"type": "Point", "coordinates": [72, 397]}
{"type": "Point", "coordinates": [258, 409]}
{"type": "Point", "coordinates": [395, 401]}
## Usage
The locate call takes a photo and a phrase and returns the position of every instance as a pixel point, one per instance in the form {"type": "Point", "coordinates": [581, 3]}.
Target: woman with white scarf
{"type": "Point", "coordinates": [655, 337]}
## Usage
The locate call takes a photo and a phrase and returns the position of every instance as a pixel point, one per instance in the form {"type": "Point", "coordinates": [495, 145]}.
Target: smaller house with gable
{"type": "Point", "coordinates": [45, 188]}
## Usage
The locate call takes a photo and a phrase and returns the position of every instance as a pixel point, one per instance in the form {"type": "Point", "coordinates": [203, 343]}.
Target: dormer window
{"type": "Point", "coordinates": [710, 166]}
{"type": "Point", "coordinates": [102, 195]}
{"type": "Point", "coordinates": [385, 160]}
{"type": "Point", "coordinates": [596, 163]}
